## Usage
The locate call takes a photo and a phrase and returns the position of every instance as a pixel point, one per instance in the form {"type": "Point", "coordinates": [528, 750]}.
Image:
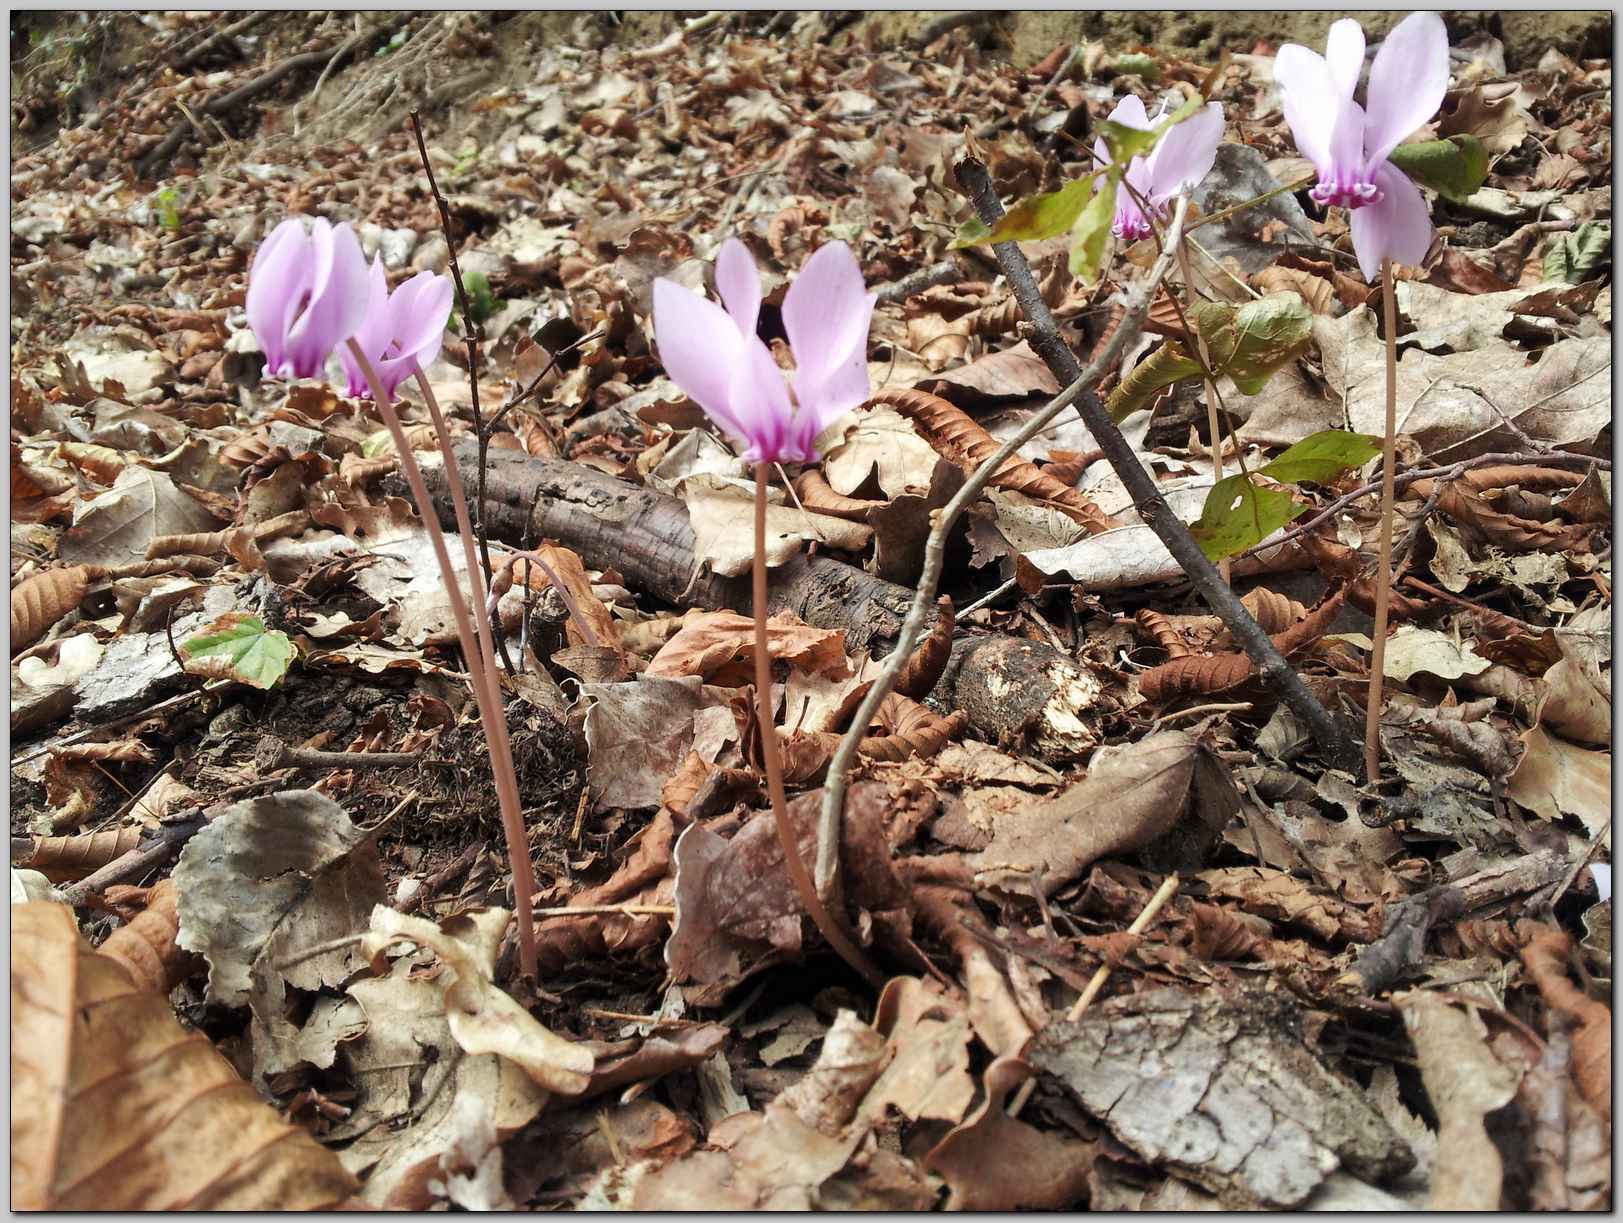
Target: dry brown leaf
{"type": "Point", "coordinates": [720, 647]}
{"type": "Point", "coordinates": [1546, 960]}
{"type": "Point", "coordinates": [148, 946]}
{"type": "Point", "coordinates": [995, 1162]}
{"type": "Point", "coordinates": [1131, 796]}
{"type": "Point", "coordinates": [816, 493]}
{"type": "Point", "coordinates": [1464, 1082]}
{"type": "Point", "coordinates": [40, 601]}
{"type": "Point", "coordinates": [60, 858]}
{"type": "Point", "coordinates": [589, 621]}
{"type": "Point", "coordinates": [116, 1107]}
{"type": "Point", "coordinates": [1556, 778]}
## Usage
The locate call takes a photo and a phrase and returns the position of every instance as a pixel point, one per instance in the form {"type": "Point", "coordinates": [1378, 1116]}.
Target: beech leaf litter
{"type": "Point", "coordinates": [1142, 944]}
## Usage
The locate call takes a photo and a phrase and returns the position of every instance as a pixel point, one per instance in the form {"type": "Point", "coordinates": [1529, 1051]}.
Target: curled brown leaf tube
{"type": "Point", "coordinates": [1274, 611]}
{"type": "Point", "coordinates": [816, 493]}
{"type": "Point", "coordinates": [798, 875]}
{"type": "Point", "coordinates": [950, 430]}
{"type": "Point", "coordinates": [39, 602]}
{"type": "Point", "coordinates": [1159, 629]}
{"type": "Point", "coordinates": [925, 665]}
{"type": "Point", "coordinates": [475, 647]}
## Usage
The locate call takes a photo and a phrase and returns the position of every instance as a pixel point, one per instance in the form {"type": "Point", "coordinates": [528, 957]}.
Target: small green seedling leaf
{"type": "Point", "coordinates": [1239, 515]}
{"type": "Point", "coordinates": [481, 301]}
{"type": "Point", "coordinates": [239, 646]}
{"type": "Point", "coordinates": [1578, 256]}
{"type": "Point", "coordinates": [1091, 232]}
{"type": "Point", "coordinates": [1168, 364]}
{"type": "Point", "coordinates": [1454, 168]}
{"type": "Point", "coordinates": [1036, 218]}
{"type": "Point", "coordinates": [1322, 457]}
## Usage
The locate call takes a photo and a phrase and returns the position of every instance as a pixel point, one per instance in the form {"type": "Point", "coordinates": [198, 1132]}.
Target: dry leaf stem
{"type": "Point", "coordinates": [476, 647]}
{"type": "Point", "coordinates": [1337, 746]}
{"type": "Point", "coordinates": [798, 875]}
{"type": "Point", "coordinates": [1383, 572]}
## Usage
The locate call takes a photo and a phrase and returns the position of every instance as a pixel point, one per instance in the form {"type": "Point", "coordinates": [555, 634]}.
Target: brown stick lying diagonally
{"type": "Point", "coordinates": [1013, 690]}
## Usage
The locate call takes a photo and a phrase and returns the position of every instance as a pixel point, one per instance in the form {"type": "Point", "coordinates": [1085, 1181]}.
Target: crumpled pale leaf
{"type": "Point", "coordinates": [1130, 796]}
{"type": "Point", "coordinates": [1134, 556]}
{"type": "Point", "coordinates": [1412, 649]}
{"type": "Point", "coordinates": [115, 1106]}
{"type": "Point", "coordinates": [1220, 1088]}
{"type": "Point", "coordinates": [722, 513]}
{"type": "Point", "coordinates": [720, 648]}
{"type": "Point", "coordinates": [879, 442]}
{"type": "Point", "coordinates": [657, 715]}
{"type": "Point", "coordinates": [1556, 778]}
{"type": "Point", "coordinates": [270, 877]}
{"type": "Point", "coordinates": [116, 527]}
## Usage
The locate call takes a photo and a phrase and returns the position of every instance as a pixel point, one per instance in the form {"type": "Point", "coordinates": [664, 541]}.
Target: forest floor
{"type": "Point", "coordinates": [1145, 947]}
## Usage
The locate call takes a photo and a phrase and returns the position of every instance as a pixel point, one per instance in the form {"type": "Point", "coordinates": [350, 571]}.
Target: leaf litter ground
{"type": "Point", "coordinates": [1079, 841]}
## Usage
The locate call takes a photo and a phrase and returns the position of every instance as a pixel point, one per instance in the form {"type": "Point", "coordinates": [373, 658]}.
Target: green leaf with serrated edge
{"type": "Point", "coordinates": [1168, 364]}
{"type": "Point", "coordinates": [1454, 168]}
{"type": "Point", "coordinates": [239, 646]}
{"type": "Point", "coordinates": [1322, 457]}
{"type": "Point", "coordinates": [1091, 231]}
{"type": "Point", "coordinates": [1041, 216]}
{"type": "Point", "coordinates": [1573, 258]}
{"type": "Point", "coordinates": [972, 232]}
{"type": "Point", "coordinates": [1239, 515]}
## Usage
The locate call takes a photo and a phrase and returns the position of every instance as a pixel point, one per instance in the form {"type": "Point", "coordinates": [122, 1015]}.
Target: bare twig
{"type": "Point", "coordinates": [144, 857]}
{"type": "Point", "coordinates": [1140, 924]}
{"type": "Point", "coordinates": [273, 754]}
{"type": "Point", "coordinates": [944, 273]}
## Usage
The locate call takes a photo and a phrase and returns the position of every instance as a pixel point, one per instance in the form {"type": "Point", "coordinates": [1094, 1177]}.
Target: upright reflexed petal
{"type": "Point", "coordinates": [761, 403]}
{"type": "Point", "coordinates": [338, 299]}
{"type": "Point", "coordinates": [700, 346]}
{"type": "Point", "coordinates": [739, 283]}
{"type": "Point", "coordinates": [826, 313]}
{"type": "Point", "coordinates": [1130, 112]}
{"type": "Point", "coordinates": [1184, 156]}
{"type": "Point", "coordinates": [1407, 82]}
{"type": "Point", "coordinates": [1309, 100]}
{"type": "Point", "coordinates": [421, 307]}
{"type": "Point", "coordinates": [275, 284]}
{"type": "Point", "coordinates": [1344, 55]}
{"type": "Point", "coordinates": [1397, 227]}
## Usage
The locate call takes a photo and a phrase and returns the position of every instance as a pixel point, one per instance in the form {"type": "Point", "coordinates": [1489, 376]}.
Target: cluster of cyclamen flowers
{"type": "Point", "coordinates": [310, 291]}
{"type": "Point", "coordinates": [715, 356]}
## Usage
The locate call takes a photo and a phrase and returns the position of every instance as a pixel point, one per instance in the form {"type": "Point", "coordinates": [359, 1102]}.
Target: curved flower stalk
{"type": "Point", "coordinates": [714, 355]}
{"type": "Point", "coordinates": [1177, 163]}
{"type": "Point", "coordinates": [307, 294]}
{"type": "Point", "coordinates": [1349, 144]}
{"type": "Point", "coordinates": [401, 332]}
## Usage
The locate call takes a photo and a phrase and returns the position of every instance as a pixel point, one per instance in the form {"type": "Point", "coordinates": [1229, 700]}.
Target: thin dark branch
{"type": "Point", "coordinates": [1274, 671]}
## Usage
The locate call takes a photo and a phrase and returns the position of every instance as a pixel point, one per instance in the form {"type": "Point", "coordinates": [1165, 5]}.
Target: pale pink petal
{"type": "Point", "coordinates": [1184, 156]}
{"type": "Point", "coordinates": [275, 284]}
{"type": "Point", "coordinates": [826, 315]}
{"type": "Point", "coordinates": [422, 306]}
{"type": "Point", "coordinates": [1309, 100]}
{"type": "Point", "coordinates": [1347, 142]}
{"type": "Point", "coordinates": [1344, 55]}
{"type": "Point", "coordinates": [739, 283]}
{"type": "Point", "coordinates": [700, 347]}
{"type": "Point", "coordinates": [1130, 112]}
{"type": "Point", "coordinates": [1406, 83]}
{"type": "Point", "coordinates": [338, 297]}
{"type": "Point", "coordinates": [1398, 227]}
{"type": "Point", "coordinates": [372, 335]}
{"type": "Point", "coordinates": [761, 403]}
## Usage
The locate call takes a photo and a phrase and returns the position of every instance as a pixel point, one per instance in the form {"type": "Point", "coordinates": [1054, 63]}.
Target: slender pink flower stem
{"type": "Point", "coordinates": [1212, 422]}
{"type": "Point", "coordinates": [1383, 574]}
{"type": "Point", "coordinates": [798, 874]}
{"type": "Point", "coordinates": [481, 662]}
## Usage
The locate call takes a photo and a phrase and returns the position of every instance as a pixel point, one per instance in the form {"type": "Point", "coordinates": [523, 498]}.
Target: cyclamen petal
{"type": "Point", "coordinates": [1184, 155]}
{"type": "Point", "coordinates": [307, 292]}
{"type": "Point", "coordinates": [1344, 56]}
{"type": "Point", "coordinates": [1309, 100]}
{"type": "Point", "coordinates": [738, 281]}
{"type": "Point", "coordinates": [1395, 227]}
{"type": "Point", "coordinates": [827, 313]}
{"type": "Point", "coordinates": [700, 347]}
{"type": "Point", "coordinates": [402, 333]}
{"type": "Point", "coordinates": [1407, 82]}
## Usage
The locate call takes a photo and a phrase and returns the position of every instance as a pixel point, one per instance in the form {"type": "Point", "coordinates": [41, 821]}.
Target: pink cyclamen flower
{"type": "Point", "coordinates": [715, 356]}
{"type": "Point", "coordinates": [306, 295]}
{"type": "Point", "coordinates": [402, 331]}
{"type": "Point", "coordinates": [1349, 144]}
{"type": "Point", "coordinates": [1180, 159]}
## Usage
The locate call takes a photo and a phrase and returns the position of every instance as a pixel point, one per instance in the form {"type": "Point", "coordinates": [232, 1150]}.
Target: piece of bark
{"type": "Point", "coordinates": [1221, 1089]}
{"type": "Point", "coordinates": [1014, 691]}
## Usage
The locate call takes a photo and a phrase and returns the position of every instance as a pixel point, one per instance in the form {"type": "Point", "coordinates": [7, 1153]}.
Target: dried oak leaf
{"type": "Point", "coordinates": [149, 945]}
{"type": "Point", "coordinates": [720, 647]}
{"type": "Point", "coordinates": [960, 439]}
{"type": "Point", "coordinates": [115, 1106]}
{"type": "Point", "coordinates": [38, 602]}
{"type": "Point", "coordinates": [1221, 1089]}
{"type": "Point", "coordinates": [1131, 796]}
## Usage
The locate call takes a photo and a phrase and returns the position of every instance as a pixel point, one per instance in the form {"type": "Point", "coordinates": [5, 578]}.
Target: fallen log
{"type": "Point", "coordinates": [1017, 693]}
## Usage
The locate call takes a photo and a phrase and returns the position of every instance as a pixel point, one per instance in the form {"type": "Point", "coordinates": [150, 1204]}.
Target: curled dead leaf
{"type": "Point", "coordinates": [149, 946]}
{"type": "Point", "coordinates": [61, 858]}
{"type": "Point", "coordinates": [40, 601]}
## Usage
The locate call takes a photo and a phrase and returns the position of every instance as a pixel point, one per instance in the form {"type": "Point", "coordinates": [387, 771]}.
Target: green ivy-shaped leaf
{"type": "Point", "coordinates": [1322, 457]}
{"type": "Point", "coordinates": [1036, 218]}
{"type": "Point", "coordinates": [1247, 343]}
{"type": "Point", "coordinates": [1575, 257]}
{"type": "Point", "coordinates": [1454, 168]}
{"type": "Point", "coordinates": [239, 646]}
{"type": "Point", "coordinates": [1239, 515]}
